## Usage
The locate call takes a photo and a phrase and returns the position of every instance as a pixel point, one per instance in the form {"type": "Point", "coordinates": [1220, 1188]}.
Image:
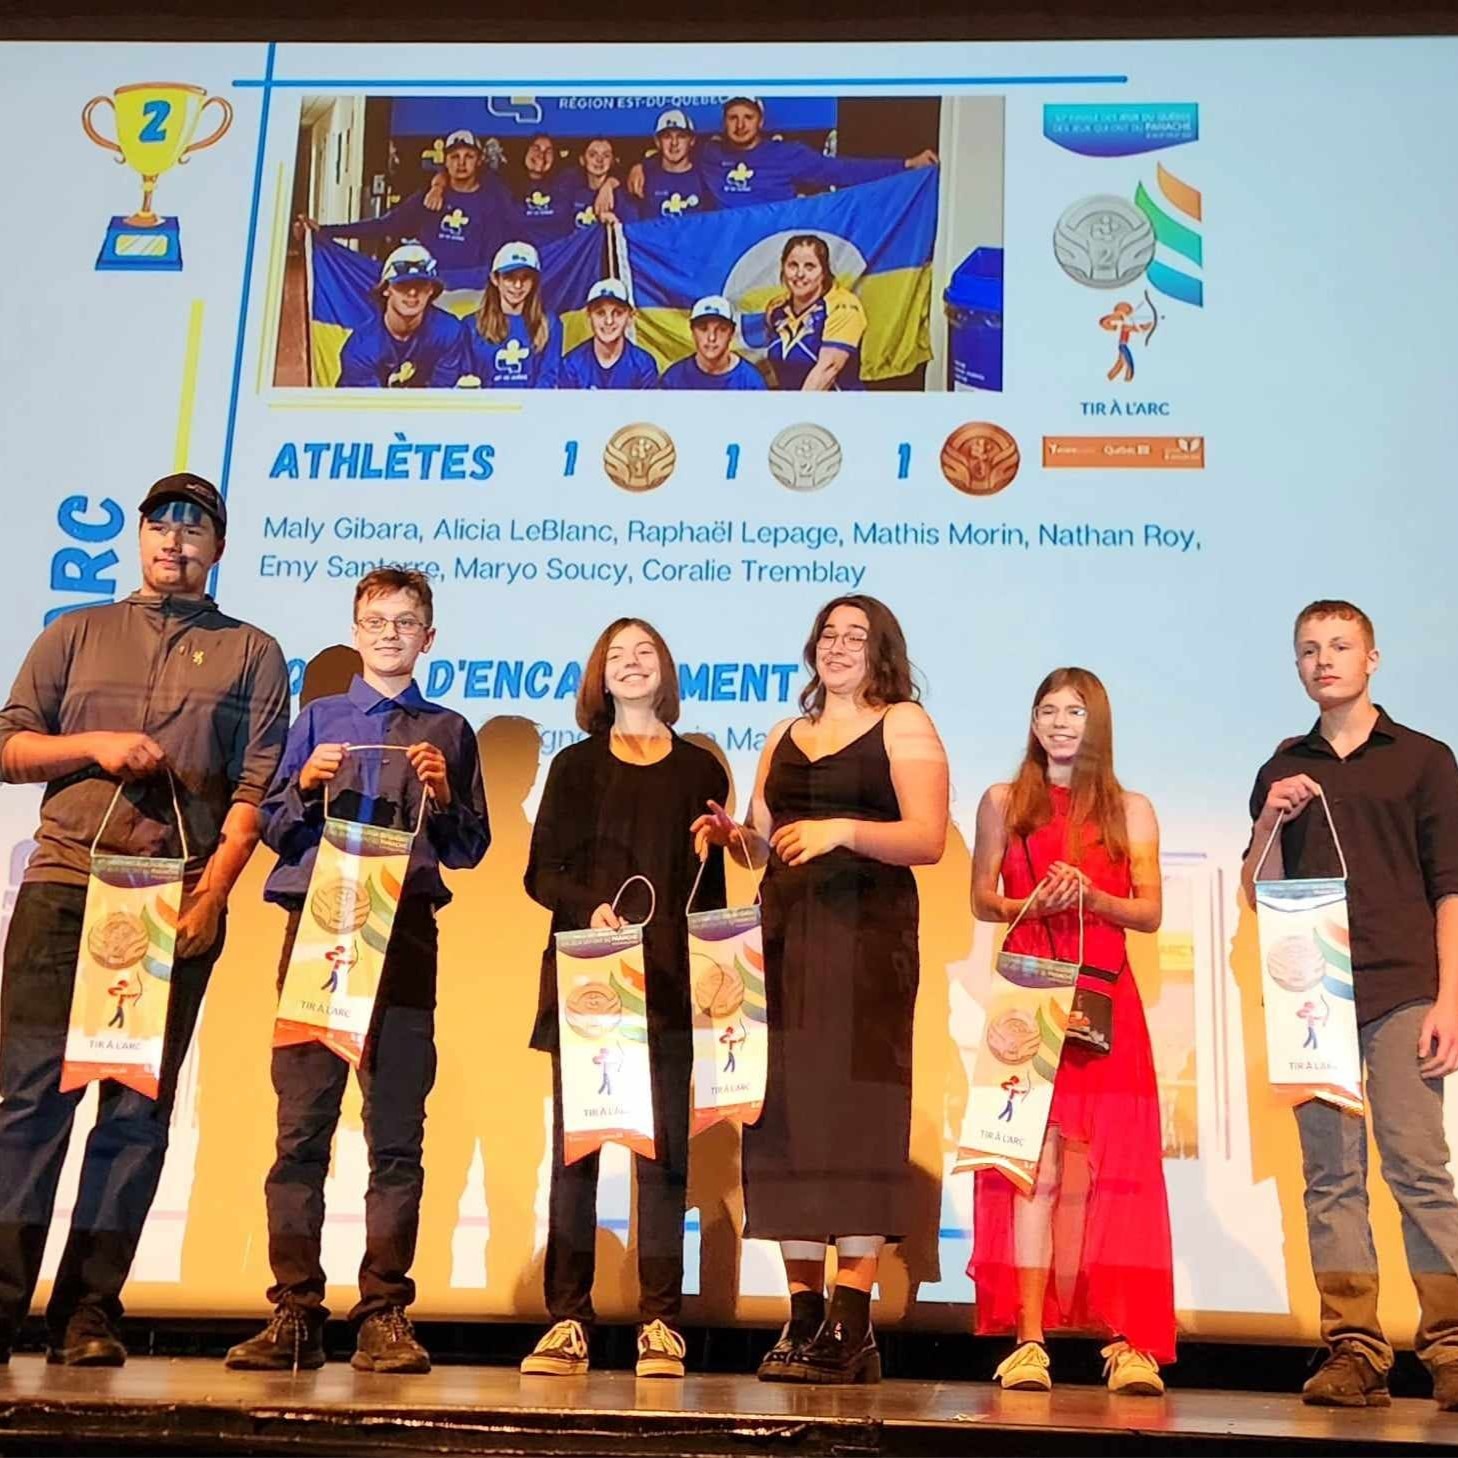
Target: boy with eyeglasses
{"type": "Point", "coordinates": [393, 626]}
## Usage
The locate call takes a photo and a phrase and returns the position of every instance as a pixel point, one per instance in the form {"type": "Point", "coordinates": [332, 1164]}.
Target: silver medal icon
{"type": "Point", "coordinates": [804, 457]}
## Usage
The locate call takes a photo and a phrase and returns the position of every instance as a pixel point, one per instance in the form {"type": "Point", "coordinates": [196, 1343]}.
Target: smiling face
{"type": "Point", "coordinates": [540, 155]}
{"type": "Point", "coordinates": [804, 276]}
{"type": "Point", "coordinates": [1335, 660]}
{"type": "Point", "coordinates": [609, 319]}
{"type": "Point", "coordinates": [712, 338]}
{"type": "Point", "coordinates": [390, 632]}
{"type": "Point", "coordinates": [515, 288]}
{"type": "Point", "coordinates": [406, 303]}
{"type": "Point", "coordinates": [1060, 718]}
{"type": "Point", "coordinates": [742, 123]}
{"type": "Point", "coordinates": [179, 544]}
{"type": "Point", "coordinates": [597, 159]}
{"type": "Point", "coordinates": [673, 148]}
{"type": "Point", "coordinates": [840, 650]}
{"type": "Point", "coordinates": [461, 165]}
{"type": "Point", "coordinates": [632, 673]}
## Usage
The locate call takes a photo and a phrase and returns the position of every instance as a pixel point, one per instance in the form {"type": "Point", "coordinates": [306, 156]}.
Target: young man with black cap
{"type": "Point", "coordinates": [1392, 794]}
{"type": "Point", "coordinates": [161, 683]}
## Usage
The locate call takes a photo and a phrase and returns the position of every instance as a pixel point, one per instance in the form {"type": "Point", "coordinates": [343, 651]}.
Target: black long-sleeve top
{"type": "Point", "coordinates": [602, 820]}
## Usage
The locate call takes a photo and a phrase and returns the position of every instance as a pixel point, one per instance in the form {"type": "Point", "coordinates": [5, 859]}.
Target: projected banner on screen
{"type": "Point", "coordinates": [1070, 354]}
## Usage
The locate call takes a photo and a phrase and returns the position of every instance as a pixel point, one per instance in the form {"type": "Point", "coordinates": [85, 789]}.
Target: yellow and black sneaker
{"type": "Point", "coordinates": [562, 1352]}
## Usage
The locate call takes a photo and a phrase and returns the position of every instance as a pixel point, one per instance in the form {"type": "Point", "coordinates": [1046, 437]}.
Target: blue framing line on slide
{"type": "Point", "coordinates": [268, 83]}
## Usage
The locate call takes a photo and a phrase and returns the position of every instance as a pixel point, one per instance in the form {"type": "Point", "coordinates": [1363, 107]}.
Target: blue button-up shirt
{"type": "Point", "coordinates": [377, 789]}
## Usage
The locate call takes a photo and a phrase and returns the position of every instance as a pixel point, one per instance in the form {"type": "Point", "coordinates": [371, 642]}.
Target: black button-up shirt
{"type": "Point", "coordinates": [1395, 803]}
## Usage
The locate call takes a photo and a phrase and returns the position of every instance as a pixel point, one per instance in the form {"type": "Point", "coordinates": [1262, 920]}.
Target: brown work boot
{"type": "Point", "coordinates": [1445, 1387]}
{"type": "Point", "coordinates": [1348, 1379]}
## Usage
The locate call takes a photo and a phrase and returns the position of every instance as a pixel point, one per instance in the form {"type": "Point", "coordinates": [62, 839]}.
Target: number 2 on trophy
{"type": "Point", "coordinates": [731, 462]}
{"type": "Point", "coordinates": [569, 466]}
{"type": "Point", "coordinates": [156, 113]}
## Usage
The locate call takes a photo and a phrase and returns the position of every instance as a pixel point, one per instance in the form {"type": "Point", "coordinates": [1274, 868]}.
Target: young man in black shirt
{"type": "Point", "coordinates": [1393, 794]}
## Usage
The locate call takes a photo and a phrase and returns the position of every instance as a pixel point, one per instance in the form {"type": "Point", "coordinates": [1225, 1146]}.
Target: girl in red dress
{"type": "Point", "coordinates": [1089, 1248]}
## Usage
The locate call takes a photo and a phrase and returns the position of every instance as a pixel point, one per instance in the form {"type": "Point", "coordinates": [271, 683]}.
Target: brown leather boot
{"type": "Point", "coordinates": [1347, 1379]}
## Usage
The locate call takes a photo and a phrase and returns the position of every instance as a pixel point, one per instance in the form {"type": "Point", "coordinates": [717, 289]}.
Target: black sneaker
{"type": "Point", "coordinates": [835, 1357]}
{"type": "Point", "coordinates": [387, 1343]}
{"type": "Point", "coordinates": [293, 1341]}
{"type": "Point", "coordinates": [1347, 1379]}
{"type": "Point", "coordinates": [90, 1340]}
{"type": "Point", "coordinates": [561, 1352]}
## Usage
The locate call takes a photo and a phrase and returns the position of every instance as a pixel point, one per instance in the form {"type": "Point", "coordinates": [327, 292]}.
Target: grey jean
{"type": "Point", "coordinates": [1407, 1121]}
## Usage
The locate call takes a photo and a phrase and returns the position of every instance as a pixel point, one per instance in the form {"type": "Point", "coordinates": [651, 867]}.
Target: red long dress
{"type": "Point", "coordinates": [1112, 1269]}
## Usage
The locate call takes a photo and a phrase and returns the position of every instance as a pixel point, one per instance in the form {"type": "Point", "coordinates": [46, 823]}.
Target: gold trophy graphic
{"type": "Point", "coordinates": [154, 123]}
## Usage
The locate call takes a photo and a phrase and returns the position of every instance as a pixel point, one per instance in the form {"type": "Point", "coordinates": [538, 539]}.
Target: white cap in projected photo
{"type": "Point", "coordinates": [511, 257]}
{"type": "Point", "coordinates": [462, 138]}
{"type": "Point", "coordinates": [410, 263]}
{"type": "Point", "coordinates": [712, 306]}
{"type": "Point", "coordinates": [609, 288]}
{"type": "Point", "coordinates": [672, 121]}
{"type": "Point", "coordinates": [753, 101]}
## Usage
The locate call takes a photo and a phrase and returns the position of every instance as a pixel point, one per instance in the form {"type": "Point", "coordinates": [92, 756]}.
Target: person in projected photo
{"type": "Point", "coordinates": [462, 216]}
{"type": "Point", "coordinates": [619, 804]}
{"type": "Point", "coordinates": [847, 799]}
{"type": "Point", "coordinates": [744, 167]}
{"type": "Point", "coordinates": [1392, 793]}
{"type": "Point", "coordinates": [595, 170]}
{"type": "Point", "coordinates": [543, 202]}
{"type": "Point", "coordinates": [513, 343]}
{"type": "Point", "coordinates": [158, 691]}
{"type": "Point", "coordinates": [1064, 827]}
{"type": "Point", "coordinates": [674, 185]}
{"type": "Point", "coordinates": [812, 329]}
{"type": "Point", "coordinates": [411, 344]}
{"type": "Point", "coordinates": [435, 782]}
{"type": "Point", "coordinates": [713, 365]}
{"type": "Point", "coordinates": [609, 360]}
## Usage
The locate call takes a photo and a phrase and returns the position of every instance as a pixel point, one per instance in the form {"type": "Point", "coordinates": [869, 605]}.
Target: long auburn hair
{"type": "Point", "coordinates": [889, 677]}
{"type": "Point", "coordinates": [493, 322]}
{"type": "Point", "coordinates": [595, 704]}
{"type": "Point", "coordinates": [1095, 792]}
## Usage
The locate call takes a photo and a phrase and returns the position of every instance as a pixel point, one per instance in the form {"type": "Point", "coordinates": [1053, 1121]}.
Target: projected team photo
{"type": "Point", "coordinates": [739, 243]}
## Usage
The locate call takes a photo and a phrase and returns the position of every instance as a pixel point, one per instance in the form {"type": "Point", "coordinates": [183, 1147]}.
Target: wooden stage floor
{"type": "Point", "coordinates": [192, 1405]}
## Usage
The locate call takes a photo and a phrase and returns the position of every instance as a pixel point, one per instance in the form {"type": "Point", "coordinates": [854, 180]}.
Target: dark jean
{"type": "Point", "coordinates": [127, 1144]}
{"type": "Point", "coordinates": [1407, 1121]}
{"type": "Point", "coordinates": [395, 1079]}
{"type": "Point", "coordinates": [662, 1191]}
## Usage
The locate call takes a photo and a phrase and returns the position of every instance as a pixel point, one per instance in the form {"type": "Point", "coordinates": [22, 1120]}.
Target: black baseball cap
{"type": "Point", "coordinates": [184, 486]}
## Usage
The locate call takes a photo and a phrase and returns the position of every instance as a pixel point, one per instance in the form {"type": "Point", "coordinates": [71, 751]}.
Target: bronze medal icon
{"type": "Point", "coordinates": [980, 459]}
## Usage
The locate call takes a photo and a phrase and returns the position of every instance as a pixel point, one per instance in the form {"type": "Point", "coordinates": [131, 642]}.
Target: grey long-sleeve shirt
{"type": "Point", "coordinates": [211, 690]}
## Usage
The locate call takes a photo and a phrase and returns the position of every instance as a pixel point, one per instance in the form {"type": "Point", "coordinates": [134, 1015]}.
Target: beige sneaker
{"type": "Point", "coordinates": [1026, 1370]}
{"type": "Point", "coordinates": [1131, 1372]}
{"type": "Point", "coordinates": [660, 1350]}
{"type": "Point", "coordinates": [562, 1352]}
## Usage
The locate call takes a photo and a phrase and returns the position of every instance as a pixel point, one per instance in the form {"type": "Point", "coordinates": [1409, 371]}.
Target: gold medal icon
{"type": "Point", "coordinates": [804, 457]}
{"type": "Point", "coordinates": [980, 459]}
{"type": "Point", "coordinates": [639, 457]}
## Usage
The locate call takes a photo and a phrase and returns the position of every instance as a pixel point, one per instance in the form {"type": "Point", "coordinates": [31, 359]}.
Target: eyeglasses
{"type": "Point", "coordinates": [1047, 713]}
{"type": "Point", "coordinates": [407, 626]}
{"type": "Point", "coordinates": [853, 641]}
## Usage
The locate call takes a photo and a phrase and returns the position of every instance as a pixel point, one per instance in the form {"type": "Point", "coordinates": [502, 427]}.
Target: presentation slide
{"type": "Point", "coordinates": [1106, 354]}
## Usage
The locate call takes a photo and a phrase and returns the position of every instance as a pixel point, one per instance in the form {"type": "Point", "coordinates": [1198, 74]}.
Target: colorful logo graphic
{"type": "Point", "coordinates": [154, 125]}
{"type": "Point", "coordinates": [677, 203]}
{"type": "Point", "coordinates": [1121, 129]}
{"type": "Point", "coordinates": [1175, 236]}
{"type": "Point", "coordinates": [738, 177]}
{"type": "Point", "coordinates": [1124, 452]}
{"type": "Point", "coordinates": [454, 222]}
{"type": "Point", "coordinates": [511, 356]}
{"type": "Point", "coordinates": [980, 459]}
{"type": "Point", "coordinates": [1123, 321]}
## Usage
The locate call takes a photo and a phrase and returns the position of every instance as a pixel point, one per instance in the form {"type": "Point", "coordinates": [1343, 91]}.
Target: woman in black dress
{"type": "Point", "coordinates": [619, 804]}
{"type": "Point", "coordinates": [848, 797]}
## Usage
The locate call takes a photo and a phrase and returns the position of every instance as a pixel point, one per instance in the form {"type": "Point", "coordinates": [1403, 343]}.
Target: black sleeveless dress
{"type": "Point", "coordinates": [830, 1156]}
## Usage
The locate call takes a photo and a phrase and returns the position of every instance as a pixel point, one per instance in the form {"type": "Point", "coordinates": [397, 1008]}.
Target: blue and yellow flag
{"type": "Point", "coordinates": [880, 234]}
{"type": "Point", "coordinates": [344, 293]}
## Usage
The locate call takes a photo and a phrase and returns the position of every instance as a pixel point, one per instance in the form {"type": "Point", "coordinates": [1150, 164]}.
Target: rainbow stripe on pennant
{"type": "Point", "coordinates": [1175, 236]}
{"type": "Point", "coordinates": [161, 926]}
{"type": "Point", "coordinates": [628, 985]}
